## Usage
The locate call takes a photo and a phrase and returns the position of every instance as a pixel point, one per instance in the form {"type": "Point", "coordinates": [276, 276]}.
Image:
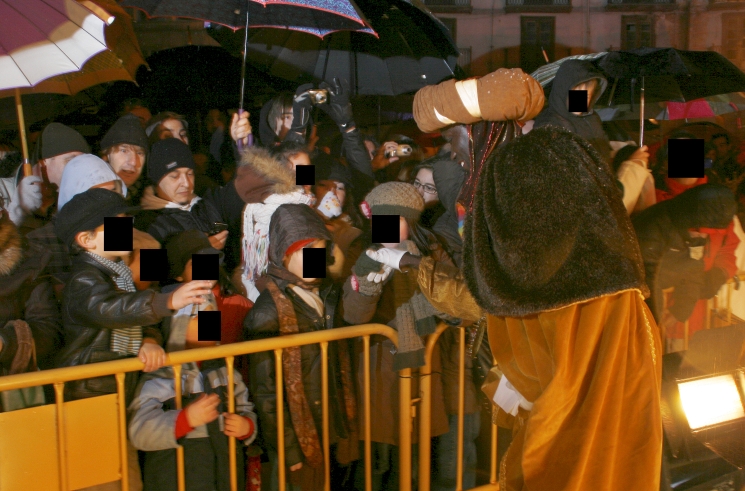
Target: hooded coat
{"type": "Point", "coordinates": [153, 419]}
{"type": "Point", "coordinates": [664, 240]}
{"type": "Point", "coordinates": [292, 223]}
{"type": "Point", "coordinates": [574, 241]}
{"type": "Point", "coordinates": [588, 125]}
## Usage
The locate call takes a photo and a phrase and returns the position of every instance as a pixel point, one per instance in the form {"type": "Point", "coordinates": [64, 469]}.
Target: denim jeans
{"type": "Point", "coordinates": [444, 454]}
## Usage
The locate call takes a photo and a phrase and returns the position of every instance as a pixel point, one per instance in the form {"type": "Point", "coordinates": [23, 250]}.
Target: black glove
{"type": "Point", "coordinates": [713, 281]}
{"type": "Point", "coordinates": [339, 108]}
{"type": "Point", "coordinates": [301, 107]}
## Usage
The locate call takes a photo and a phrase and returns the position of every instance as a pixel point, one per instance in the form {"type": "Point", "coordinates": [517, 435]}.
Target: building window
{"type": "Point", "coordinates": [636, 32]}
{"type": "Point", "coordinates": [451, 23]}
{"type": "Point", "coordinates": [537, 34]}
{"type": "Point", "coordinates": [733, 32]}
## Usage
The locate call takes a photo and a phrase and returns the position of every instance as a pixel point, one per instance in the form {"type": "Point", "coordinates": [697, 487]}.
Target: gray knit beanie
{"type": "Point", "coordinates": [394, 198]}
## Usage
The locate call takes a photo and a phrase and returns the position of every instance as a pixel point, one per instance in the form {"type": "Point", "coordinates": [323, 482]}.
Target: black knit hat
{"type": "Point", "coordinates": [86, 211]}
{"type": "Point", "coordinates": [166, 156]}
{"type": "Point", "coordinates": [57, 139]}
{"type": "Point", "coordinates": [127, 129]}
{"type": "Point", "coordinates": [181, 246]}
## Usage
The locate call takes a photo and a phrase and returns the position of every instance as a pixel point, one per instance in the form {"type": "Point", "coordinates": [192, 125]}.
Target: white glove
{"type": "Point", "coordinates": [330, 205]}
{"type": "Point", "coordinates": [388, 257]}
{"type": "Point", "coordinates": [29, 194]}
{"type": "Point", "coordinates": [380, 276]}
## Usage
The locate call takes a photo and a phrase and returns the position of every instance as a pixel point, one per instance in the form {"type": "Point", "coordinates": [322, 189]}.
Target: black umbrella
{"type": "Point", "coordinates": [413, 49]}
{"type": "Point", "coordinates": [659, 75]}
{"type": "Point", "coordinates": [318, 17]}
{"type": "Point", "coordinates": [667, 74]}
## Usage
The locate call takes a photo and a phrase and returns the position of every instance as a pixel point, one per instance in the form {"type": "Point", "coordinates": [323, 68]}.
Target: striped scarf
{"type": "Point", "coordinates": [125, 340]}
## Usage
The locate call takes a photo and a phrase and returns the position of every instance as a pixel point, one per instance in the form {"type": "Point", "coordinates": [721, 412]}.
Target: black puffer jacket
{"type": "Point", "coordinates": [26, 295]}
{"type": "Point", "coordinates": [218, 205]}
{"type": "Point", "coordinates": [92, 306]}
{"type": "Point", "coordinates": [664, 240]}
{"type": "Point", "coordinates": [588, 125]}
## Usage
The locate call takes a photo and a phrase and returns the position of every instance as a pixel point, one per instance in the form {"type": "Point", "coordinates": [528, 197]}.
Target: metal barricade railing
{"type": "Point", "coordinates": [425, 412]}
{"type": "Point", "coordinates": [17, 472]}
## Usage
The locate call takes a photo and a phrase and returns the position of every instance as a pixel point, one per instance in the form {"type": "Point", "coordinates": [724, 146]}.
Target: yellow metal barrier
{"type": "Point", "coordinates": [92, 451]}
{"type": "Point", "coordinates": [425, 411]}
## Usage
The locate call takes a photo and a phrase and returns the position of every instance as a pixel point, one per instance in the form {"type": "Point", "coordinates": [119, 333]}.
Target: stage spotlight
{"type": "Point", "coordinates": [711, 401]}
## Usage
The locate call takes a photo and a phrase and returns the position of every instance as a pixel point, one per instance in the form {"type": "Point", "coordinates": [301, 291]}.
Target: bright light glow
{"type": "Point", "coordinates": [710, 401]}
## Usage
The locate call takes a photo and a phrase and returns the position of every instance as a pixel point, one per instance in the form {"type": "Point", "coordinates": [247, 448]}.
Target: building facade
{"type": "Point", "coordinates": [494, 34]}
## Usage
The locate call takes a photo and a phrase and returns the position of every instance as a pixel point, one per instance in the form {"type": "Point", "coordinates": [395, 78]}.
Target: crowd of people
{"type": "Point", "coordinates": [563, 228]}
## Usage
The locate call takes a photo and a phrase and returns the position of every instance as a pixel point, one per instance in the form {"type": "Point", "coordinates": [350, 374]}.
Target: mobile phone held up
{"type": "Point", "coordinates": [217, 227]}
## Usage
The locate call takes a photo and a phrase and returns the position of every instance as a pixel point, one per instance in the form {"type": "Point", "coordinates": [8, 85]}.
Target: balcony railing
{"type": "Point", "coordinates": [641, 4]}
{"type": "Point", "coordinates": [727, 4]}
{"type": "Point", "coordinates": [449, 5]}
{"type": "Point", "coordinates": [538, 5]}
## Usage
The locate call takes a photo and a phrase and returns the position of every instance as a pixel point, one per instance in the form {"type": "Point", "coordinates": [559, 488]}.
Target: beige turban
{"type": "Point", "coordinates": [499, 96]}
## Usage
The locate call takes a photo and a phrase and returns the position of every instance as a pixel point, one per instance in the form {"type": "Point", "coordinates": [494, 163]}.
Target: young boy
{"type": "Point", "coordinates": [203, 427]}
{"type": "Point", "coordinates": [292, 303]}
{"type": "Point", "coordinates": [102, 313]}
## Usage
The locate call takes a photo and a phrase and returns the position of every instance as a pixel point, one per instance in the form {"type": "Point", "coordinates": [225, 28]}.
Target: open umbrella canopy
{"type": "Point", "coordinates": [199, 78]}
{"type": "Point", "coordinates": [314, 16]}
{"type": "Point", "coordinates": [119, 62]}
{"type": "Point", "coordinates": [43, 38]}
{"type": "Point", "coordinates": [413, 49]}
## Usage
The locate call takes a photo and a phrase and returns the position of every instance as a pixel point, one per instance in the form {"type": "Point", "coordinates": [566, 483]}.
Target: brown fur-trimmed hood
{"type": "Point", "coordinates": [11, 251]}
{"type": "Point", "coordinates": [548, 228]}
{"type": "Point", "coordinates": [260, 175]}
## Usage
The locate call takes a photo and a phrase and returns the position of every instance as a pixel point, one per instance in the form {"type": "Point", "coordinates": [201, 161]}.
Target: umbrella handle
{"type": "Point", "coordinates": [27, 171]}
{"type": "Point", "coordinates": [641, 116]}
{"type": "Point", "coordinates": [250, 136]}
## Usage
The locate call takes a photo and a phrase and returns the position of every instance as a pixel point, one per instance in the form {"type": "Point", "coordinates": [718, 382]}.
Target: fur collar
{"type": "Point", "coordinates": [11, 252]}
{"type": "Point", "coordinates": [261, 168]}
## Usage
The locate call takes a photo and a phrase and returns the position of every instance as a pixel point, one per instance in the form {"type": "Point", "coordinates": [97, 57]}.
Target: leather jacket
{"type": "Point", "coordinates": [92, 306]}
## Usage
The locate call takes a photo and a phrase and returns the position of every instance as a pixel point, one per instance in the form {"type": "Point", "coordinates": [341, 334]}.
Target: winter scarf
{"type": "Point", "coordinates": [125, 339]}
{"type": "Point", "coordinates": [588, 125]}
{"type": "Point", "coordinates": [548, 228]}
{"type": "Point", "coordinates": [506, 94]}
{"type": "Point", "coordinates": [415, 316]}
{"type": "Point", "coordinates": [256, 220]}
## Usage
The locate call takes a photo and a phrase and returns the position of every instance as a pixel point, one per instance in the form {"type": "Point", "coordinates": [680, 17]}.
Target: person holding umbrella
{"type": "Point", "coordinates": [25, 196]}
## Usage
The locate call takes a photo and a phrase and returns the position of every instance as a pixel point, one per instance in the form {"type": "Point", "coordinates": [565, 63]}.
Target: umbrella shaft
{"type": "Point", "coordinates": [243, 66]}
{"type": "Point", "coordinates": [22, 130]}
{"type": "Point", "coordinates": [641, 120]}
